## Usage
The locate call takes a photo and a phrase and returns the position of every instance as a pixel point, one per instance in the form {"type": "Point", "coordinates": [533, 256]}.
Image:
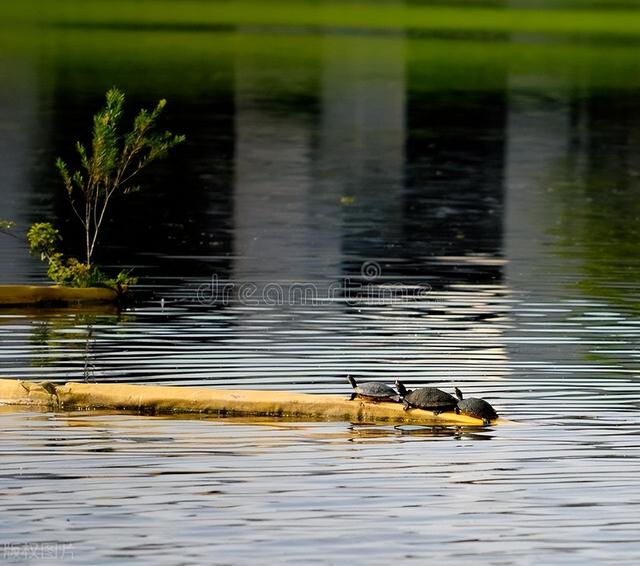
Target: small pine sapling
{"type": "Point", "coordinates": [110, 166]}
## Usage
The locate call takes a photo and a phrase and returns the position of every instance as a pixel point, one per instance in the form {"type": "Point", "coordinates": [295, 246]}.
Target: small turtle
{"type": "Point", "coordinates": [427, 398]}
{"type": "Point", "coordinates": [474, 407]}
{"type": "Point", "coordinates": [372, 391]}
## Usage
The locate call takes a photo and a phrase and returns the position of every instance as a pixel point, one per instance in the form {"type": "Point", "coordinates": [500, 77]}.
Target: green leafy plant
{"type": "Point", "coordinates": [44, 240]}
{"type": "Point", "coordinates": [109, 167]}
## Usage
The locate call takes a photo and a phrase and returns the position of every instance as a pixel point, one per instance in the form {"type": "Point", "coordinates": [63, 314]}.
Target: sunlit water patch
{"type": "Point", "coordinates": [164, 490]}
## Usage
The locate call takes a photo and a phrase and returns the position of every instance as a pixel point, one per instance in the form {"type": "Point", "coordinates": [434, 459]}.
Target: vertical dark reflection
{"type": "Point", "coordinates": [599, 195]}
{"type": "Point", "coordinates": [454, 179]}
{"type": "Point", "coordinates": [19, 133]}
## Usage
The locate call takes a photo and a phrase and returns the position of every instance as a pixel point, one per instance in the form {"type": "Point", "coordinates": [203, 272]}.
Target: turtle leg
{"type": "Point", "coordinates": [436, 411]}
{"type": "Point", "coordinates": [405, 405]}
{"type": "Point", "coordinates": [486, 421]}
{"type": "Point", "coordinates": [456, 411]}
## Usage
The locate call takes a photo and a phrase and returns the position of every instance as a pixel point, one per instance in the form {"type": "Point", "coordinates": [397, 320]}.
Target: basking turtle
{"type": "Point", "coordinates": [427, 398]}
{"type": "Point", "coordinates": [372, 391]}
{"type": "Point", "coordinates": [474, 407]}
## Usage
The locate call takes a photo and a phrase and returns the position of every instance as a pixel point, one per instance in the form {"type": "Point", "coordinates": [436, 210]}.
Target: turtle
{"type": "Point", "coordinates": [372, 391]}
{"type": "Point", "coordinates": [474, 407]}
{"type": "Point", "coordinates": [427, 398]}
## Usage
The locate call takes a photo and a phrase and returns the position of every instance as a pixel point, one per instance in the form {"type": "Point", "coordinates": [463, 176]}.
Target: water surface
{"type": "Point", "coordinates": [454, 210]}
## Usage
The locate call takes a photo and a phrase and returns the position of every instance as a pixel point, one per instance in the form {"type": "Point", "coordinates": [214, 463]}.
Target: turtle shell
{"type": "Point", "coordinates": [431, 399]}
{"type": "Point", "coordinates": [373, 390]}
{"type": "Point", "coordinates": [478, 408]}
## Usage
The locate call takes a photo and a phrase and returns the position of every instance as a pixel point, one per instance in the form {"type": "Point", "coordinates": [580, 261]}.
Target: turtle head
{"type": "Point", "coordinates": [458, 393]}
{"type": "Point", "coordinates": [402, 390]}
{"type": "Point", "coordinates": [352, 381]}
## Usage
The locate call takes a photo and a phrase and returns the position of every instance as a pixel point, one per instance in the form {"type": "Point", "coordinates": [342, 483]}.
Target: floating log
{"type": "Point", "coordinates": [53, 294]}
{"type": "Point", "coordinates": [152, 399]}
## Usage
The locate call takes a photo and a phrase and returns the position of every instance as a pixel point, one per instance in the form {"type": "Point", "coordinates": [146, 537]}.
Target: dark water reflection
{"type": "Point", "coordinates": [495, 184]}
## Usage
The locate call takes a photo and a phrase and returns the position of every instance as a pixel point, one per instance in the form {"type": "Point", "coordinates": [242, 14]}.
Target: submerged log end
{"type": "Point", "coordinates": [53, 294]}
{"type": "Point", "coordinates": [18, 392]}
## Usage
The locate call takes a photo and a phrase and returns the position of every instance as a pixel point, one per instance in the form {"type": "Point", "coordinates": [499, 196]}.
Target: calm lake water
{"type": "Point", "coordinates": [455, 210]}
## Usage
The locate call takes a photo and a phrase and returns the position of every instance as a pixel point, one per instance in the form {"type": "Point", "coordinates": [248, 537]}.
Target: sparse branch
{"type": "Point", "coordinates": [69, 183]}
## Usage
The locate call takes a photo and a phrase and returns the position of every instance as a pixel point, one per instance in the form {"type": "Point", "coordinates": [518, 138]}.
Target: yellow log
{"type": "Point", "coordinates": [39, 294]}
{"type": "Point", "coordinates": [42, 294]}
{"type": "Point", "coordinates": [162, 399]}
